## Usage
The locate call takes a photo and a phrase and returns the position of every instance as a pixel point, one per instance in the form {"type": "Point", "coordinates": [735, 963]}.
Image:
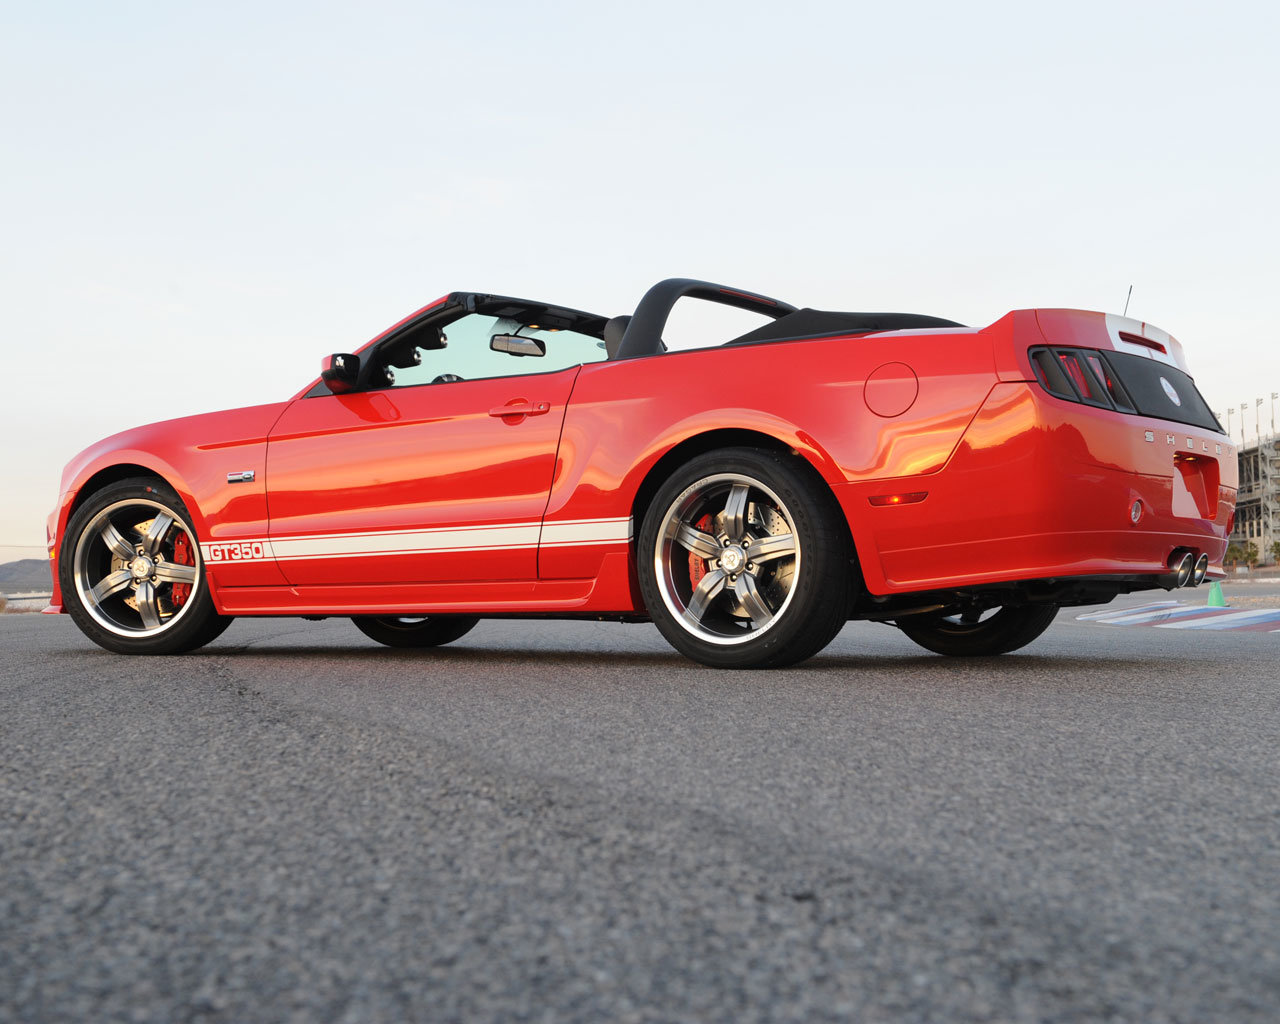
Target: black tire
{"type": "Point", "coordinates": [1007, 629]}
{"type": "Point", "coordinates": [414, 630]}
{"type": "Point", "coordinates": [131, 573]}
{"type": "Point", "coordinates": [769, 536]}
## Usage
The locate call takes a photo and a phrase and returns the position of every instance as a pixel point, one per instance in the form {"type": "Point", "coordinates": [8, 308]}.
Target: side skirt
{"type": "Point", "coordinates": [610, 594]}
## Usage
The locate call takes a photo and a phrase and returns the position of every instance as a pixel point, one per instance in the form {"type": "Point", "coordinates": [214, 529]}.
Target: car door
{"type": "Point", "coordinates": [436, 478]}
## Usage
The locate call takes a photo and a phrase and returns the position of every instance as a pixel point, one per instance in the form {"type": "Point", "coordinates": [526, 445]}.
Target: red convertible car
{"type": "Point", "coordinates": [490, 456]}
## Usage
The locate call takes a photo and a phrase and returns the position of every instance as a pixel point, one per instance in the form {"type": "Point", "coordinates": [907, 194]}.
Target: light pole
{"type": "Point", "coordinates": [1244, 408]}
{"type": "Point", "coordinates": [1230, 412]}
{"type": "Point", "coordinates": [1274, 396]}
{"type": "Point", "coordinates": [1257, 422]}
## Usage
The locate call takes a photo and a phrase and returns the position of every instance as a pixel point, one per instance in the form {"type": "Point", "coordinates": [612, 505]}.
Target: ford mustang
{"type": "Point", "coordinates": [496, 457]}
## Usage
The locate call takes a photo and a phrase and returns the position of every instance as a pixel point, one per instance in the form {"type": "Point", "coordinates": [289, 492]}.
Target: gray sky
{"type": "Point", "coordinates": [200, 202]}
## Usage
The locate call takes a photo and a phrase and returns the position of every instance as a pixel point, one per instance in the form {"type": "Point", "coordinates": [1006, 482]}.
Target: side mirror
{"type": "Point", "coordinates": [514, 345]}
{"type": "Point", "coordinates": [340, 372]}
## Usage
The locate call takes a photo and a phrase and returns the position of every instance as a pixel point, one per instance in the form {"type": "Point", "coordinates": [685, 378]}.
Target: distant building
{"type": "Point", "coordinates": [1258, 500]}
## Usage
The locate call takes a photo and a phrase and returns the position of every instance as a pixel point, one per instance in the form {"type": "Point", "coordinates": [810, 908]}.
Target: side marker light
{"type": "Point", "coordinates": [899, 499]}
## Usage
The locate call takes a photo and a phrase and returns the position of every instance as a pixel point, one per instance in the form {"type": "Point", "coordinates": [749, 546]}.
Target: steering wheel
{"type": "Point", "coordinates": [446, 378]}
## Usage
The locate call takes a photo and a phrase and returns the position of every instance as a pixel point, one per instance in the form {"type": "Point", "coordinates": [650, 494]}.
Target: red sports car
{"type": "Point", "coordinates": [490, 456]}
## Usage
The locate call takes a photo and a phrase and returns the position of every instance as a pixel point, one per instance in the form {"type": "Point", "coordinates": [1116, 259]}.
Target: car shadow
{"type": "Point", "coordinates": [1006, 665]}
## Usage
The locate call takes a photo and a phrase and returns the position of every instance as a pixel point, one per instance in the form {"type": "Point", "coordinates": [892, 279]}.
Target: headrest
{"type": "Point", "coordinates": [613, 331]}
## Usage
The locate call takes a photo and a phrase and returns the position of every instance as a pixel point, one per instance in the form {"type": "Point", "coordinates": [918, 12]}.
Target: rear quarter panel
{"type": "Point", "coordinates": [1043, 487]}
{"type": "Point", "coordinates": [810, 395]}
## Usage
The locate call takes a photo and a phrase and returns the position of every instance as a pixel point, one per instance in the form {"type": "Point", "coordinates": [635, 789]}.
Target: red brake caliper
{"type": "Point", "coordinates": [183, 555]}
{"type": "Point", "coordinates": [697, 565]}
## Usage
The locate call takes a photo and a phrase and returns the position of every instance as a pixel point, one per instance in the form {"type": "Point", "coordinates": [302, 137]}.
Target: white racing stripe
{"type": "Point", "coordinates": [439, 540]}
{"type": "Point", "coordinates": [1116, 324]}
{"type": "Point", "coordinates": [586, 531]}
{"type": "Point", "coordinates": [410, 542]}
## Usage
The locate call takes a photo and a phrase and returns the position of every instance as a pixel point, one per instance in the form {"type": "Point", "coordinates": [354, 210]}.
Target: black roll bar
{"type": "Point", "coordinates": [643, 336]}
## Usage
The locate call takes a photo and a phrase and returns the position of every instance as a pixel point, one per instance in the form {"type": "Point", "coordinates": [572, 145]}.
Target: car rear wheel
{"type": "Point", "coordinates": [744, 560]}
{"type": "Point", "coordinates": [414, 630]}
{"type": "Point", "coordinates": [995, 631]}
{"type": "Point", "coordinates": [131, 573]}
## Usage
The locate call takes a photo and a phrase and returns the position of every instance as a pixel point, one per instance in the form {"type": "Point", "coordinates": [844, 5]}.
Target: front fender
{"type": "Point", "coordinates": [195, 456]}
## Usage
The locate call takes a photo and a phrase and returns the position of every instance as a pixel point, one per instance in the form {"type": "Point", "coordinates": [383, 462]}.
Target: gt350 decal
{"type": "Point", "coordinates": [242, 551]}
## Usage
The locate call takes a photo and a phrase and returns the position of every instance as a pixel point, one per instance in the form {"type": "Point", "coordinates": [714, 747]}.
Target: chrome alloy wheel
{"type": "Point", "coordinates": [136, 567]}
{"type": "Point", "coordinates": [726, 559]}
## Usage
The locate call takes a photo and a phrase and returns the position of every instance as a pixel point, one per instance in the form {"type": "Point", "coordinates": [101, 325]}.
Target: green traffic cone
{"type": "Point", "coordinates": [1215, 595]}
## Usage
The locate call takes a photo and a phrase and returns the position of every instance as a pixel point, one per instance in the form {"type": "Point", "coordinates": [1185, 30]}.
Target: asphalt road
{"type": "Point", "coordinates": [568, 822]}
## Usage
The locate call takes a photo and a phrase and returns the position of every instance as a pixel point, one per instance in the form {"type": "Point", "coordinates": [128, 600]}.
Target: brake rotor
{"type": "Point", "coordinates": [774, 579]}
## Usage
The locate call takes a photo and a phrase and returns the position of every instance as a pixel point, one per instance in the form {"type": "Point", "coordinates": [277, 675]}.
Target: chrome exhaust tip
{"type": "Point", "coordinates": [1198, 574]}
{"type": "Point", "coordinates": [1182, 564]}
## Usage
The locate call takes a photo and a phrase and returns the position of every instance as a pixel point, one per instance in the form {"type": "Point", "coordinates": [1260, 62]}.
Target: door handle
{"type": "Point", "coordinates": [521, 407]}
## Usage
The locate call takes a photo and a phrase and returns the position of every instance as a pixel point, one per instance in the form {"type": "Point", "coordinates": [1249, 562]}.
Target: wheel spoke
{"type": "Point", "coordinates": [710, 587]}
{"type": "Point", "coordinates": [147, 606]}
{"type": "Point", "coordinates": [735, 512]}
{"type": "Point", "coordinates": [766, 549]}
{"type": "Point", "coordinates": [113, 539]}
{"type": "Point", "coordinates": [175, 572]}
{"type": "Point", "coordinates": [752, 600]}
{"type": "Point", "coordinates": [159, 527]}
{"type": "Point", "coordinates": [112, 584]}
{"type": "Point", "coordinates": [702, 544]}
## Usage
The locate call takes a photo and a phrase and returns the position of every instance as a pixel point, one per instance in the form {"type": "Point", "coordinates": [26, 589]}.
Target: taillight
{"type": "Point", "coordinates": [1113, 387]}
{"type": "Point", "coordinates": [1123, 382]}
{"type": "Point", "coordinates": [1088, 387]}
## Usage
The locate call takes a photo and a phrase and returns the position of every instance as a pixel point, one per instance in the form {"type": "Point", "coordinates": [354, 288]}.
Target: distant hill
{"type": "Point", "coordinates": [25, 575]}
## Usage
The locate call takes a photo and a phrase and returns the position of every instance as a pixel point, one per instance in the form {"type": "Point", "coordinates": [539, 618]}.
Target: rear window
{"type": "Point", "coordinates": [1126, 383]}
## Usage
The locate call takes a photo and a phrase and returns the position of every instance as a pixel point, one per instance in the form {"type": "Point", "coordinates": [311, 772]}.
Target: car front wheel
{"type": "Point", "coordinates": [744, 560]}
{"type": "Point", "coordinates": [131, 573]}
{"type": "Point", "coordinates": [995, 631]}
{"type": "Point", "coordinates": [414, 630]}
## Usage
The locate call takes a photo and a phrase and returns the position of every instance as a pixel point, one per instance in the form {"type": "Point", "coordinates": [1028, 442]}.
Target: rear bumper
{"type": "Point", "coordinates": [1040, 489]}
